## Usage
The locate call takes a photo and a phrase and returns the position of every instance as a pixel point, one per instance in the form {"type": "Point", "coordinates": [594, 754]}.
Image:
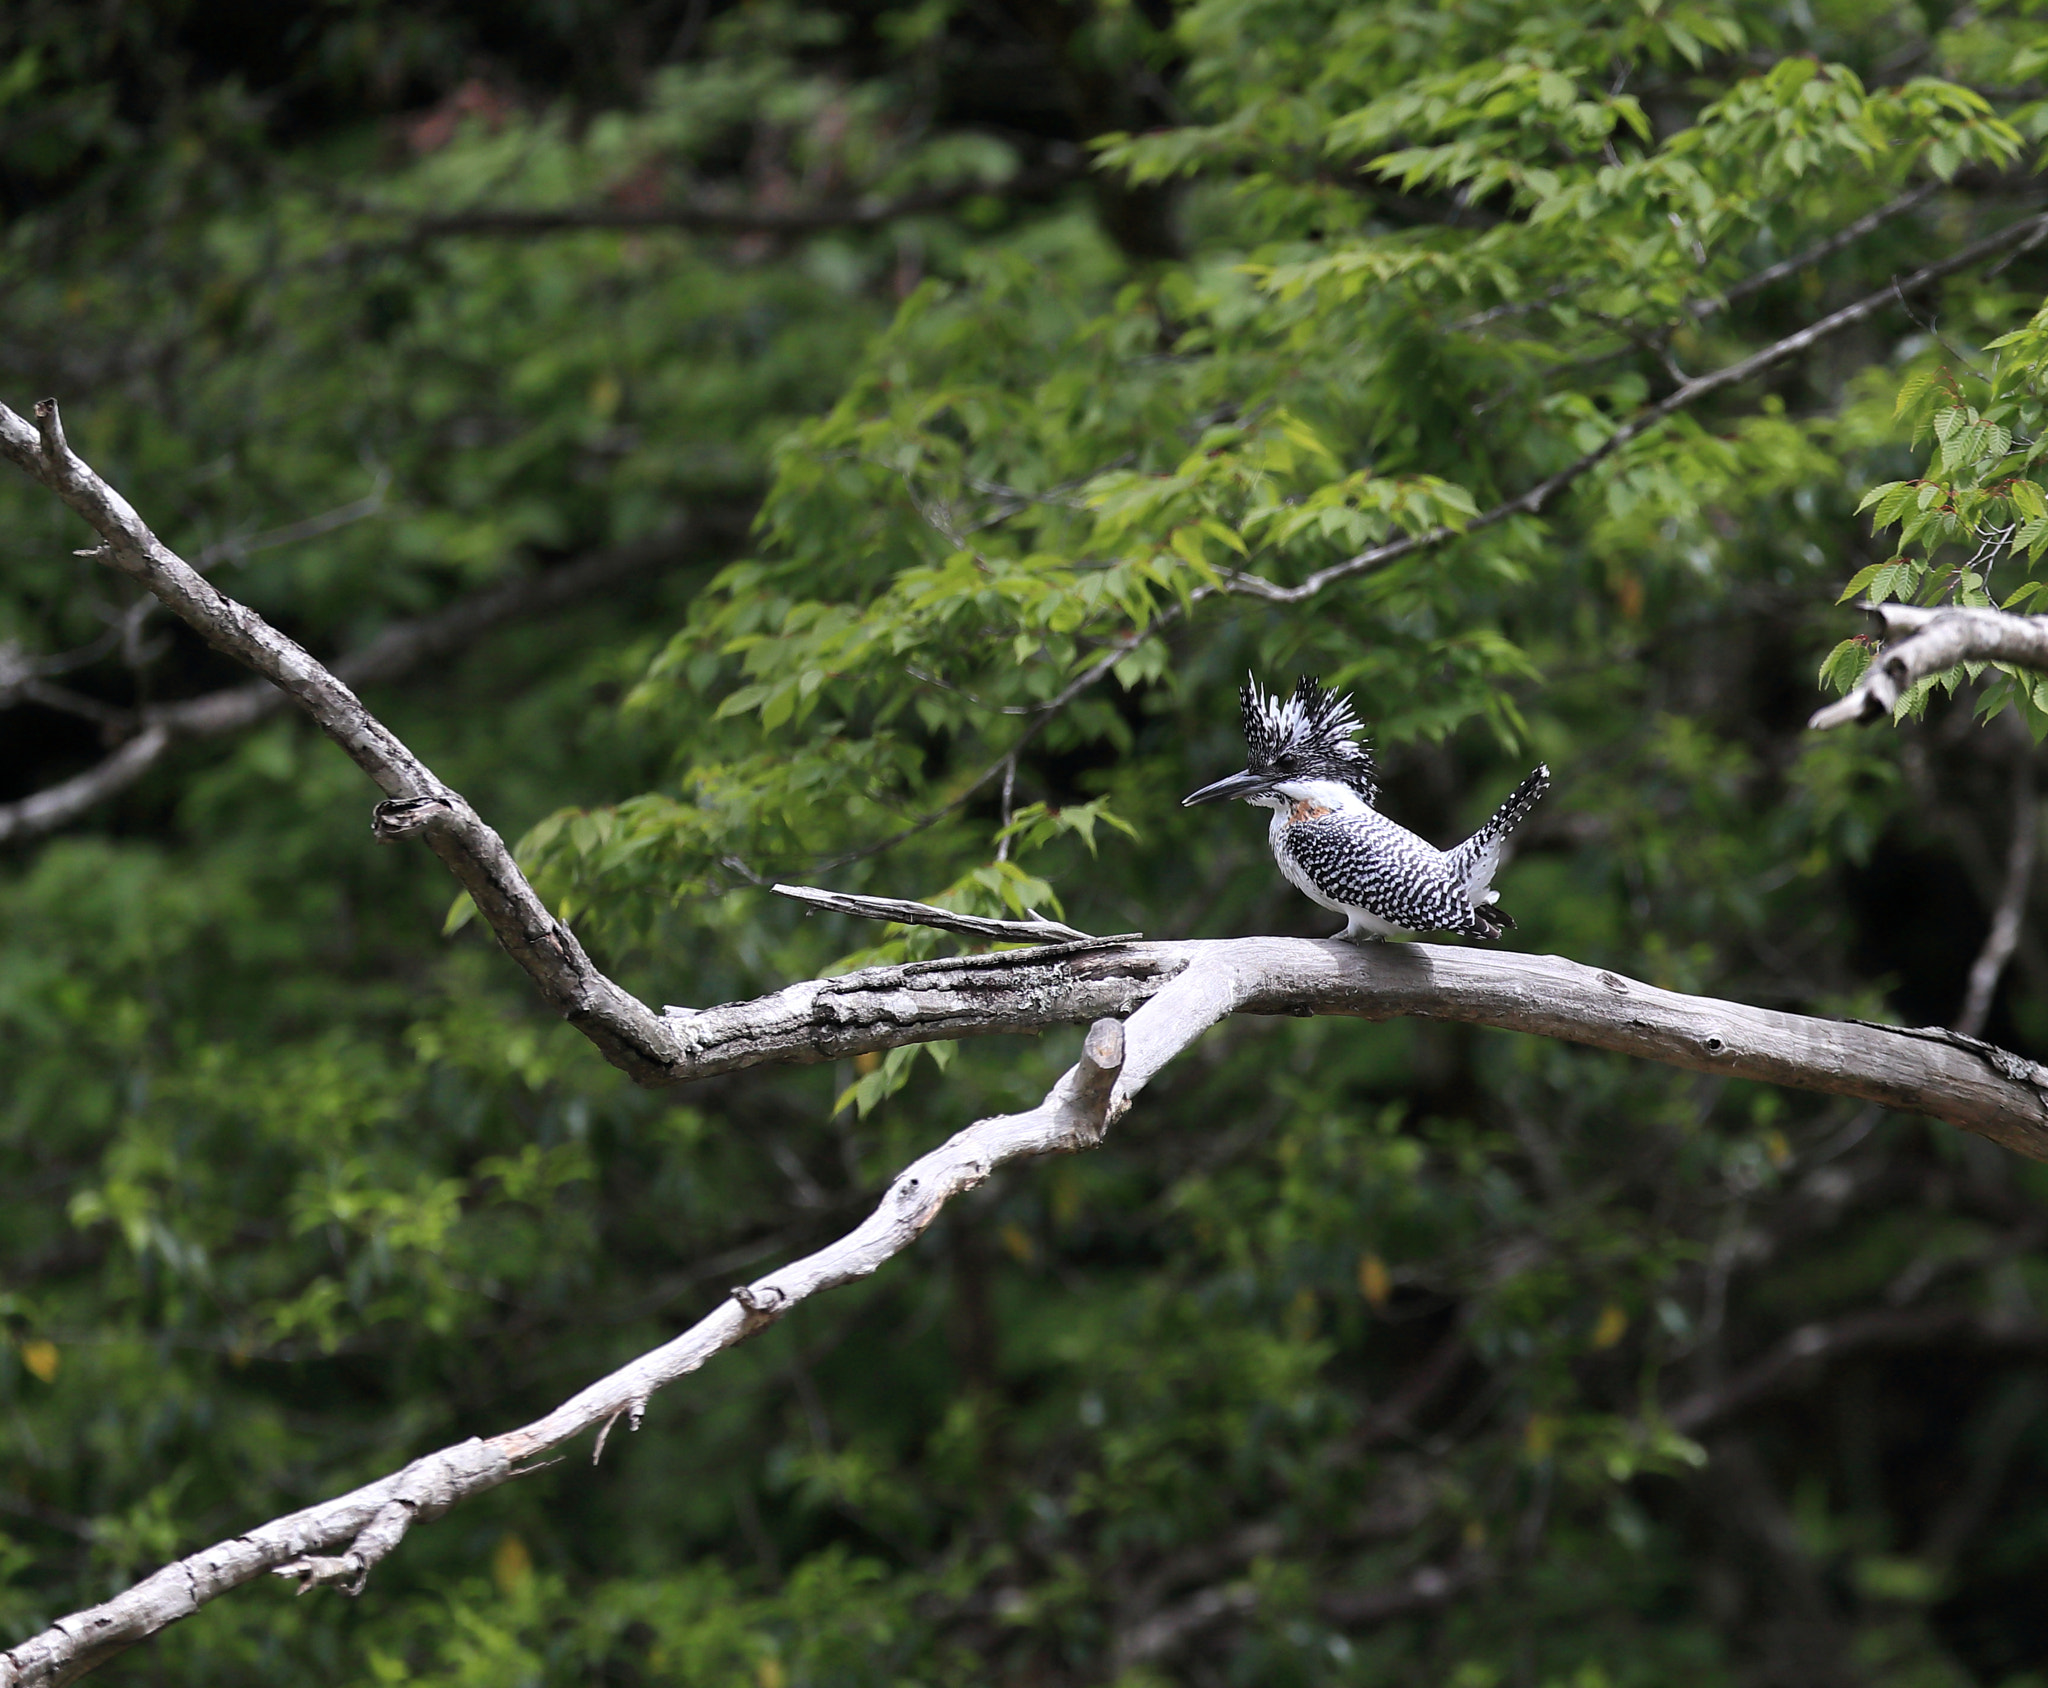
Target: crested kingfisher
{"type": "Point", "coordinates": [1306, 765]}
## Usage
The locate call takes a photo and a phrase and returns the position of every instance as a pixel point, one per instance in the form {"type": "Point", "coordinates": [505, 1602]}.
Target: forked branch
{"type": "Point", "coordinates": [1170, 992]}
{"type": "Point", "coordinates": [1072, 981]}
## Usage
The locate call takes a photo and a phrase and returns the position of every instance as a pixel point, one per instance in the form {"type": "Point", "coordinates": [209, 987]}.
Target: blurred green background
{"type": "Point", "coordinates": [908, 363]}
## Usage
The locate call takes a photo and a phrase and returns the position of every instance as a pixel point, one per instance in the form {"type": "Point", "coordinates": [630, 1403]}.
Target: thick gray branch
{"type": "Point", "coordinates": [1956, 1079]}
{"type": "Point", "coordinates": [1185, 989]}
{"type": "Point", "coordinates": [1937, 640]}
{"type": "Point", "coordinates": [1959, 1079]}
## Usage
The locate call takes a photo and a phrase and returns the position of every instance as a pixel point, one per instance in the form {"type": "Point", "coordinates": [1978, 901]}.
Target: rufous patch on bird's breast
{"type": "Point", "coordinates": [1303, 810]}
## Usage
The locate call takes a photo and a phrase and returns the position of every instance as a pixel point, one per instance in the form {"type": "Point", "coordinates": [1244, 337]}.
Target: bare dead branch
{"type": "Point", "coordinates": [1964, 829]}
{"type": "Point", "coordinates": [1421, 1590]}
{"type": "Point", "coordinates": [1173, 993]}
{"type": "Point", "coordinates": [1167, 1631]}
{"type": "Point", "coordinates": [624, 1028]}
{"type": "Point", "coordinates": [1940, 1073]}
{"type": "Point", "coordinates": [1933, 1071]}
{"type": "Point", "coordinates": [1938, 639]}
{"type": "Point", "coordinates": [1983, 1485]}
{"type": "Point", "coordinates": [110, 718]}
{"type": "Point", "coordinates": [50, 808]}
{"type": "Point", "coordinates": [1036, 930]}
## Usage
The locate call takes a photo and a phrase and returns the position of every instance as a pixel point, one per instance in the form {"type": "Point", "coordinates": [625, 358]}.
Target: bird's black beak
{"type": "Point", "coordinates": [1237, 785]}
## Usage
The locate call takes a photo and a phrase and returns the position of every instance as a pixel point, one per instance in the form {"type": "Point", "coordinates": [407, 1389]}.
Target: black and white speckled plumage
{"type": "Point", "coordinates": [1387, 881]}
{"type": "Point", "coordinates": [1337, 848]}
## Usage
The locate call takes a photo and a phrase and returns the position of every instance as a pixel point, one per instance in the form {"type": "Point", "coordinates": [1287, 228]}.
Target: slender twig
{"type": "Point", "coordinates": [1819, 252]}
{"type": "Point", "coordinates": [1037, 931]}
{"type": "Point", "coordinates": [2004, 935]}
{"type": "Point", "coordinates": [1530, 502]}
{"type": "Point", "coordinates": [2020, 235]}
{"type": "Point", "coordinates": [1811, 1346]}
{"type": "Point", "coordinates": [1009, 794]}
{"type": "Point", "coordinates": [1997, 1438]}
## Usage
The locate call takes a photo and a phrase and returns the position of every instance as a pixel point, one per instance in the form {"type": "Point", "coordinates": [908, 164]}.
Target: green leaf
{"type": "Point", "coordinates": [1845, 664]}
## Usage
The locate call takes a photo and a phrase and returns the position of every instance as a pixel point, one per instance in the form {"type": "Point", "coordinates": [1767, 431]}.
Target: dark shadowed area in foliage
{"type": "Point", "coordinates": [867, 446]}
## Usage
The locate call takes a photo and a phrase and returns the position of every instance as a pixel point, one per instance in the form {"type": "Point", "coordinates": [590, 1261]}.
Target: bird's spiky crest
{"type": "Point", "coordinates": [1311, 735]}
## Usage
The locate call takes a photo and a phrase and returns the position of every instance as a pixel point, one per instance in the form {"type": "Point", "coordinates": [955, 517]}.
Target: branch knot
{"type": "Point", "coordinates": [401, 817]}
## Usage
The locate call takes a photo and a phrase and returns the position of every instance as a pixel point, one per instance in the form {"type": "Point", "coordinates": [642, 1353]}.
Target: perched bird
{"type": "Point", "coordinates": [1306, 765]}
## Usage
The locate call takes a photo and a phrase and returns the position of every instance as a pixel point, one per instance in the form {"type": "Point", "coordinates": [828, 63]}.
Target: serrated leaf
{"type": "Point", "coordinates": [1844, 665]}
{"type": "Point", "coordinates": [1899, 578]}
{"type": "Point", "coordinates": [1895, 500]}
{"type": "Point", "coordinates": [1913, 390]}
{"type": "Point", "coordinates": [1914, 702]}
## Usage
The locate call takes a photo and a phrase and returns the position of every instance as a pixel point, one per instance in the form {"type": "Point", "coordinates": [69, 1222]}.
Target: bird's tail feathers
{"type": "Point", "coordinates": [1489, 922]}
{"type": "Point", "coordinates": [1478, 857]}
{"type": "Point", "coordinates": [1519, 802]}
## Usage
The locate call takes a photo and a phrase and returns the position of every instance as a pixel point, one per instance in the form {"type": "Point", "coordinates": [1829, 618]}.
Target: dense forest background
{"type": "Point", "coordinates": [749, 441]}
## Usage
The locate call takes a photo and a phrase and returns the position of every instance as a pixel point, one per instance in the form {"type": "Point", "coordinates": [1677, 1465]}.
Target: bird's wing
{"type": "Point", "coordinates": [1367, 861]}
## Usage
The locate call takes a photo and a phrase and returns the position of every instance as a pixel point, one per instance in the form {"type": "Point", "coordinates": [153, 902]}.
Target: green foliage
{"type": "Point", "coordinates": [302, 1185]}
